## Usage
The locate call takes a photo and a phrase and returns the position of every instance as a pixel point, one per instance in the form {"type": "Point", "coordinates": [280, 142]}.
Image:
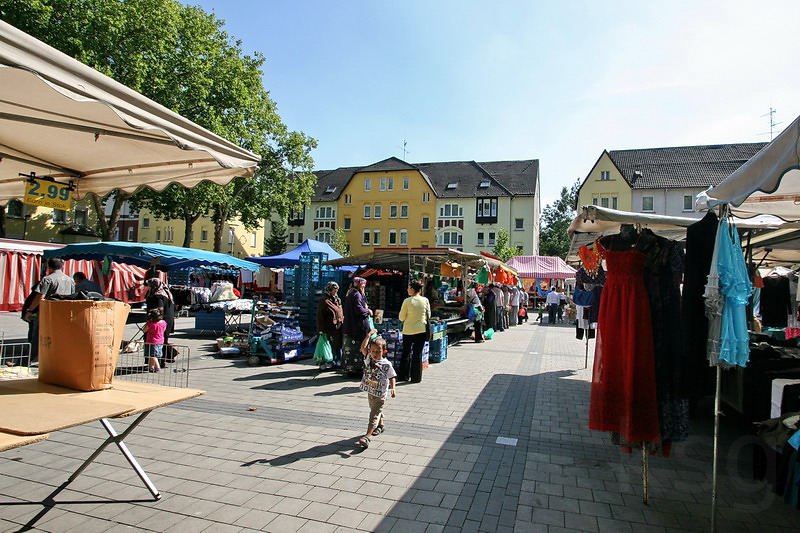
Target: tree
{"type": "Point", "coordinates": [340, 243]}
{"type": "Point", "coordinates": [276, 242]}
{"type": "Point", "coordinates": [502, 248]}
{"type": "Point", "coordinates": [178, 203]}
{"type": "Point", "coordinates": [556, 218]}
{"type": "Point", "coordinates": [181, 57]}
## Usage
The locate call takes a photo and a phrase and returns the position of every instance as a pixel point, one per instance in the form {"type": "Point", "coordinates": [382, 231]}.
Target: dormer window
{"type": "Point", "coordinates": [330, 189]}
{"type": "Point", "coordinates": [452, 185]}
{"type": "Point", "coordinates": [484, 184]}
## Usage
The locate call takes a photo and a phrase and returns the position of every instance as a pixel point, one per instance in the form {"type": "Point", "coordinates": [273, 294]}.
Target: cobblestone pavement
{"type": "Point", "coordinates": [493, 439]}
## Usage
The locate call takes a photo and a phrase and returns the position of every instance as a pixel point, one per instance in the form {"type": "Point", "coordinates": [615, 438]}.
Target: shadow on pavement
{"type": "Point", "coordinates": [344, 448]}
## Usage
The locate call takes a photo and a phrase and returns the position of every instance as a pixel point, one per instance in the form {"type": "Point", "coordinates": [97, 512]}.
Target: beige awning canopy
{"type": "Point", "coordinates": [428, 260]}
{"type": "Point", "coordinates": [61, 118]}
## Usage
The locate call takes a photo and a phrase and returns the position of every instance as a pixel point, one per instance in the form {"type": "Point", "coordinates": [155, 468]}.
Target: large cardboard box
{"type": "Point", "coordinates": [79, 342]}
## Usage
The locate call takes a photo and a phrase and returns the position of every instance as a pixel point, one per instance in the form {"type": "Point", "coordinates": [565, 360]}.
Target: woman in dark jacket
{"type": "Point", "coordinates": [159, 297]}
{"type": "Point", "coordinates": [356, 325]}
{"type": "Point", "coordinates": [330, 317]}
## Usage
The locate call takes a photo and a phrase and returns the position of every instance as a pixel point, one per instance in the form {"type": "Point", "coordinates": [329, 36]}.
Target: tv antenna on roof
{"type": "Point", "coordinates": [772, 122]}
{"type": "Point", "coordinates": [405, 143]}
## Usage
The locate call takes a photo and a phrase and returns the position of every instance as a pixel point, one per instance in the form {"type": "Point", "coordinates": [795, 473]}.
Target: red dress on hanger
{"type": "Point", "coordinates": [623, 396]}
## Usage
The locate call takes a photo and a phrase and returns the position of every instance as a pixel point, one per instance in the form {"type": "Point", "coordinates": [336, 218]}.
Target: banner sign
{"type": "Point", "coordinates": [46, 193]}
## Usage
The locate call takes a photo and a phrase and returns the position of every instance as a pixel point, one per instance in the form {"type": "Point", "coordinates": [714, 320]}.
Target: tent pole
{"type": "Point", "coordinates": [586, 361]}
{"type": "Point", "coordinates": [714, 472]}
{"type": "Point", "coordinates": [645, 474]}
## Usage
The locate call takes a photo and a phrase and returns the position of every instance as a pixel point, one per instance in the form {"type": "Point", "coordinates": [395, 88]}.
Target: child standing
{"type": "Point", "coordinates": [379, 379]}
{"type": "Point", "coordinates": [154, 339]}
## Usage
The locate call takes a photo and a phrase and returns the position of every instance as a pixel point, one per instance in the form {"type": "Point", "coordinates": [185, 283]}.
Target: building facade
{"type": "Point", "coordinates": [459, 205]}
{"type": "Point", "coordinates": [662, 181]}
{"type": "Point", "coordinates": [45, 224]}
{"type": "Point", "coordinates": [236, 239]}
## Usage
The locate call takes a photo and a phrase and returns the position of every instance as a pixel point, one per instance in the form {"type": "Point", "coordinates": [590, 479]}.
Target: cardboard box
{"type": "Point", "coordinates": [79, 342]}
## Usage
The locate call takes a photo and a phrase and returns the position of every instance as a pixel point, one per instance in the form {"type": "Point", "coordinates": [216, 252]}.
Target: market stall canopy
{"type": "Point", "coordinates": [292, 257]}
{"type": "Point", "coordinates": [428, 260]}
{"type": "Point", "coordinates": [541, 267]}
{"type": "Point", "coordinates": [144, 254]}
{"type": "Point", "coordinates": [61, 118]}
{"type": "Point", "coordinates": [769, 183]}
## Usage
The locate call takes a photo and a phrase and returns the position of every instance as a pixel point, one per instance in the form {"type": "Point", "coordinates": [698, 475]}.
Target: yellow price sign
{"type": "Point", "coordinates": [46, 193]}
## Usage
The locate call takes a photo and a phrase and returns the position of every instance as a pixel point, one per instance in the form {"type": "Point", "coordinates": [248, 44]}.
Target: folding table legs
{"type": "Point", "coordinates": [118, 438]}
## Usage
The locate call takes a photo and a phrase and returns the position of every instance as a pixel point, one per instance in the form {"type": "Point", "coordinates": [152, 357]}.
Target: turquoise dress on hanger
{"type": "Point", "coordinates": [736, 288]}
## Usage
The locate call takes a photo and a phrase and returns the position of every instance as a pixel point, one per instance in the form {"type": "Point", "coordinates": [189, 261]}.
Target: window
{"type": "Point", "coordinates": [405, 183]}
{"type": "Point", "coordinates": [326, 213]}
{"type": "Point", "coordinates": [158, 235]}
{"type": "Point", "coordinates": [367, 184]}
{"type": "Point", "coordinates": [348, 199]}
{"type": "Point", "coordinates": [480, 238]}
{"type": "Point", "coordinates": [191, 236]}
{"type": "Point", "coordinates": [452, 185]}
{"type": "Point", "coordinates": [613, 202]}
{"type": "Point", "coordinates": [605, 175]}
{"type": "Point", "coordinates": [253, 240]}
{"type": "Point", "coordinates": [115, 237]}
{"type": "Point", "coordinates": [647, 203]}
{"type": "Point", "coordinates": [594, 200]}
{"type": "Point", "coordinates": [291, 238]}
{"type": "Point", "coordinates": [347, 223]}
{"type": "Point", "coordinates": [383, 184]}
{"type": "Point", "coordinates": [486, 211]}
{"type": "Point", "coordinates": [330, 189]}
{"type": "Point", "coordinates": [426, 223]}
{"type": "Point", "coordinates": [130, 233]}
{"type": "Point", "coordinates": [377, 211]}
{"type": "Point", "coordinates": [491, 239]}
{"type": "Point", "coordinates": [426, 198]}
{"type": "Point", "coordinates": [365, 239]}
{"type": "Point", "coordinates": [450, 238]}
{"type": "Point", "coordinates": [376, 237]}
{"type": "Point", "coordinates": [392, 236]}
{"type": "Point", "coordinates": [688, 203]}
{"type": "Point", "coordinates": [15, 209]}
{"type": "Point", "coordinates": [59, 216]}
{"type": "Point", "coordinates": [81, 216]}
{"type": "Point", "coordinates": [390, 184]}
{"type": "Point", "coordinates": [451, 210]}
{"type": "Point", "coordinates": [392, 211]}
{"type": "Point", "coordinates": [231, 235]}
{"type": "Point", "coordinates": [403, 237]}
{"type": "Point", "coordinates": [168, 234]}
{"type": "Point", "coordinates": [604, 201]}
{"type": "Point", "coordinates": [325, 236]}
{"type": "Point", "coordinates": [203, 235]}
{"type": "Point", "coordinates": [367, 211]}
{"type": "Point", "coordinates": [146, 223]}
{"type": "Point", "coordinates": [484, 184]}
{"type": "Point", "coordinates": [519, 224]}
{"type": "Point", "coordinates": [404, 211]}
{"type": "Point", "coordinates": [299, 237]}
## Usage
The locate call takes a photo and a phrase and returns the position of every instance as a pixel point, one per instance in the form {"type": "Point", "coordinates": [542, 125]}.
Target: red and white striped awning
{"type": "Point", "coordinates": [541, 267]}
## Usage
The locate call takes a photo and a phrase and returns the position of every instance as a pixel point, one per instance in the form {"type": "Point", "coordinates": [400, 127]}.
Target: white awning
{"type": "Point", "coordinates": [61, 118]}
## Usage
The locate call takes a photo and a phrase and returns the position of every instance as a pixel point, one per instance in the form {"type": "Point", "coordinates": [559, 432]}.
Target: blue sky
{"type": "Point", "coordinates": [554, 81]}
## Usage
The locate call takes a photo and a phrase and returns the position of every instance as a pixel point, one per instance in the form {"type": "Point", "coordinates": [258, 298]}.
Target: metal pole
{"type": "Point", "coordinates": [645, 474]}
{"type": "Point", "coordinates": [586, 361]}
{"type": "Point", "coordinates": [716, 449]}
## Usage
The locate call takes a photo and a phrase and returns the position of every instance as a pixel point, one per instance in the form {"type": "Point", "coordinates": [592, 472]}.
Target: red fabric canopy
{"type": "Point", "coordinates": [541, 267]}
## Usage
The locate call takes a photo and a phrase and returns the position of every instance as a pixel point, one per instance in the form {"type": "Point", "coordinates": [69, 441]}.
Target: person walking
{"type": "Point", "coordinates": [55, 283]}
{"type": "Point", "coordinates": [498, 307]}
{"type": "Point", "coordinates": [330, 317]}
{"type": "Point", "coordinates": [154, 331]}
{"type": "Point", "coordinates": [514, 307]}
{"type": "Point", "coordinates": [356, 325]}
{"type": "Point", "coordinates": [414, 314]}
{"type": "Point", "coordinates": [160, 297]}
{"type": "Point", "coordinates": [475, 302]}
{"type": "Point", "coordinates": [378, 381]}
{"type": "Point", "coordinates": [552, 301]}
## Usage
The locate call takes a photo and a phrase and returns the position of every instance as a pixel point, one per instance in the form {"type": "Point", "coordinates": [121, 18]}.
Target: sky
{"type": "Point", "coordinates": [489, 81]}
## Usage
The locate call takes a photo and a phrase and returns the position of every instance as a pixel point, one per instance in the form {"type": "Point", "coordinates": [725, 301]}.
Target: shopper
{"type": "Point", "coordinates": [330, 317]}
{"type": "Point", "coordinates": [489, 307]}
{"type": "Point", "coordinates": [498, 307]}
{"type": "Point", "coordinates": [356, 325]}
{"type": "Point", "coordinates": [414, 314]}
{"type": "Point", "coordinates": [159, 297]}
{"type": "Point", "coordinates": [562, 302]}
{"type": "Point", "coordinates": [552, 301]}
{"type": "Point", "coordinates": [55, 283]}
{"type": "Point", "coordinates": [85, 285]}
{"type": "Point", "coordinates": [514, 307]}
{"type": "Point", "coordinates": [154, 334]}
{"type": "Point", "coordinates": [378, 379]}
{"type": "Point", "coordinates": [475, 302]}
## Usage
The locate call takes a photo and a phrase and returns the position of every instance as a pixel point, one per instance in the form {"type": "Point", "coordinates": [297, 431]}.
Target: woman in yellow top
{"type": "Point", "coordinates": [414, 314]}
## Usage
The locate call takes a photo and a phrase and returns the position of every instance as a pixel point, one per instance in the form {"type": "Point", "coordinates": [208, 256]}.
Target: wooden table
{"type": "Point", "coordinates": [30, 409]}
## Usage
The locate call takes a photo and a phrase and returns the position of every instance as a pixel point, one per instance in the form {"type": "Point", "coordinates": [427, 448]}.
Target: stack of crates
{"type": "Point", "coordinates": [438, 329]}
{"type": "Point", "coordinates": [307, 280]}
{"type": "Point", "coordinates": [394, 348]}
{"type": "Point", "coordinates": [439, 350]}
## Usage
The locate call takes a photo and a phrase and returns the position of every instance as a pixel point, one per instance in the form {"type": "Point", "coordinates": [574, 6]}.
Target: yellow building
{"type": "Point", "coordinates": [605, 186]}
{"type": "Point", "coordinates": [45, 224]}
{"type": "Point", "coordinates": [236, 240]}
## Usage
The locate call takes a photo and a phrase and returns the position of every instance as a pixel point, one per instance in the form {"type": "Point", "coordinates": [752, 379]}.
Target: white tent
{"type": "Point", "coordinates": [61, 118]}
{"type": "Point", "coordinates": [767, 184]}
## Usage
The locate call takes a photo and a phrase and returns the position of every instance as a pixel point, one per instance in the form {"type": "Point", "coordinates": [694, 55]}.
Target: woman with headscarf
{"type": "Point", "coordinates": [414, 314]}
{"type": "Point", "coordinates": [473, 300]}
{"type": "Point", "coordinates": [160, 297]}
{"type": "Point", "coordinates": [356, 325]}
{"type": "Point", "coordinates": [330, 317]}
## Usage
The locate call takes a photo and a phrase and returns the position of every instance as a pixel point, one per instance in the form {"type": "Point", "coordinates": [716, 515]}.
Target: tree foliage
{"type": "Point", "coordinates": [340, 242]}
{"type": "Point", "coordinates": [502, 248]}
{"type": "Point", "coordinates": [275, 244]}
{"type": "Point", "coordinates": [178, 203]}
{"type": "Point", "coordinates": [556, 218]}
{"type": "Point", "coordinates": [182, 57]}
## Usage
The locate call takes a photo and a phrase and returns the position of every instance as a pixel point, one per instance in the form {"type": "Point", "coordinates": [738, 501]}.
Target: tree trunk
{"type": "Point", "coordinates": [220, 217]}
{"type": "Point", "coordinates": [189, 220]}
{"type": "Point", "coordinates": [2, 222]}
{"type": "Point", "coordinates": [108, 225]}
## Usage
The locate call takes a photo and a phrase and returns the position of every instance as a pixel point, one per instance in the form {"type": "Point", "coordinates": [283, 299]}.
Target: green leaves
{"type": "Point", "coordinates": [502, 248]}
{"type": "Point", "coordinates": [556, 218]}
{"type": "Point", "coordinates": [340, 243]}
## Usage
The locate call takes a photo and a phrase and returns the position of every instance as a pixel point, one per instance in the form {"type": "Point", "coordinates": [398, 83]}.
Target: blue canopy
{"type": "Point", "coordinates": [145, 254]}
{"type": "Point", "coordinates": [291, 258]}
